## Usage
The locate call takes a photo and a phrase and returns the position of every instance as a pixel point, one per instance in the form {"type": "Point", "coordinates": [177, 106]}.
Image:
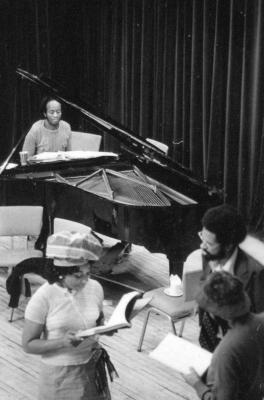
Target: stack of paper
{"type": "Point", "coordinates": [182, 355]}
{"type": "Point", "coordinates": [70, 155]}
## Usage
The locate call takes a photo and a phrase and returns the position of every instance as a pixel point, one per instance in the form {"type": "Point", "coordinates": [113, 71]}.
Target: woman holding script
{"type": "Point", "coordinates": [72, 368]}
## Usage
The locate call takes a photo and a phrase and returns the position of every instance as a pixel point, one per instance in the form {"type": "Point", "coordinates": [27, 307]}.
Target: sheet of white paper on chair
{"type": "Point", "coordinates": [180, 355]}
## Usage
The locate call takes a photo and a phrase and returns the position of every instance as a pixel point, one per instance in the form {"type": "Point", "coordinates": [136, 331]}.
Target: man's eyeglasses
{"type": "Point", "coordinates": [205, 242]}
{"type": "Point", "coordinates": [200, 234]}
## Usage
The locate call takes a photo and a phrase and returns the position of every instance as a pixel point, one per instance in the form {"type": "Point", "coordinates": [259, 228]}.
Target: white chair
{"type": "Point", "coordinates": [18, 226]}
{"type": "Point", "coordinates": [62, 224]}
{"type": "Point", "coordinates": [176, 309]}
{"type": "Point", "coordinates": [111, 253]}
{"type": "Point", "coordinates": [85, 141]}
{"type": "Point", "coordinates": [162, 146]}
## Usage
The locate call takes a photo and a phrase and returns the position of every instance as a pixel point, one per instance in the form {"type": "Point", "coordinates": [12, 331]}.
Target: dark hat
{"type": "Point", "coordinates": [222, 294]}
{"type": "Point", "coordinates": [73, 248]}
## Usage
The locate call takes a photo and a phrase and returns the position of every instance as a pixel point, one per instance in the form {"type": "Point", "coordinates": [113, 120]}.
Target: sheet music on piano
{"type": "Point", "coordinates": [69, 155]}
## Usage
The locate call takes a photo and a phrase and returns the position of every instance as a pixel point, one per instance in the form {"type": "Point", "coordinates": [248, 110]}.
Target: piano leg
{"type": "Point", "coordinates": [175, 266]}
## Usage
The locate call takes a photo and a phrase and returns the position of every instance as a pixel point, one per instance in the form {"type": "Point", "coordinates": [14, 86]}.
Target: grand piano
{"type": "Point", "coordinates": [139, 195]}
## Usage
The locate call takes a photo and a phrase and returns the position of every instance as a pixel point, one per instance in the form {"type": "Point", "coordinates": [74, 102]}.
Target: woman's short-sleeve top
{"type": "Point", "coordinates": [61, 311]}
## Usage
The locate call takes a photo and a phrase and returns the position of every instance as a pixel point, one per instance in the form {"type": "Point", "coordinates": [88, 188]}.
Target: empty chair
{"type": "Point", "coordinates": [111, 255]}
{"type": "Point", "coordinates": [176, 309]}
{"type": "Point", "coordinates": [85, 141]}
{"type": "Point", "coordinates": [62, 224]}
{"type": "Point", "coordinates": [18, 226]}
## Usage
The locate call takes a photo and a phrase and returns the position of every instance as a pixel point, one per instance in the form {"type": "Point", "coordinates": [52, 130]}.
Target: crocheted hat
{"type": "Point", "coordinates": [223, 295]}
{"type": "Point", "coordinates": [73, 248]}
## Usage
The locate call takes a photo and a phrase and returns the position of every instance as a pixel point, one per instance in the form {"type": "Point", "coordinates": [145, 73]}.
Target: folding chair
{"type": "Point", "coordinates": [85, 141]}
{"type": "Point", "coordinates": [176, 309]}
{"type": "Point", "coordinates": [20, 226]}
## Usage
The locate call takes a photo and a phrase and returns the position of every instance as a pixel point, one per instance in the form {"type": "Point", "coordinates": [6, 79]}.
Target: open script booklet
{"type": "Point", "coordinates": [182, 355]}
{"type": "Point", "coordinates": [127, 308]}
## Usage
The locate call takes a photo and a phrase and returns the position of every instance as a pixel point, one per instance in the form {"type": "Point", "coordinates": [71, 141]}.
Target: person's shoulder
{"type": "Point", "coordinates": [43, 289]}
{"type": "Point", "coordinates": [37, 125]}
{"type": "Point", "coordinates": [65, 125]}
{"type": "Point", "coordinates": [41, 294]}
{"type": "Point", "coordinates": [94, 284]}
{"type": "Point", "coordinates": [225, 353]}
{"type": "Point", "coordinates": [233, 339]}
{"type": "Point", "coordinates": [243, 257]}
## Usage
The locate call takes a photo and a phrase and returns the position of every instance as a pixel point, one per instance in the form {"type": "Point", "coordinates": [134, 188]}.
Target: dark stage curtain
{"type": "Point", "coordinates": [188, 73]}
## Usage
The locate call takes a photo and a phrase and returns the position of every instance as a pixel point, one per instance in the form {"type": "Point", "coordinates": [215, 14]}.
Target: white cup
{"type": "Point", "coordinates": [175, 288]}
{"type": "Point", "coordinates": [23, 157]}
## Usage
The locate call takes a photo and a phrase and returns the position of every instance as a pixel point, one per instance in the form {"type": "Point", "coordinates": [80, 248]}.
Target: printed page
{"type": "Point", "coordinates": [119, 318]}
{"type": "Point", "coordinates": [119, 314]}
{"type": "Point", "coordinates": [180, 355]}
{"type": "Point", "coordinates": [70, 155]}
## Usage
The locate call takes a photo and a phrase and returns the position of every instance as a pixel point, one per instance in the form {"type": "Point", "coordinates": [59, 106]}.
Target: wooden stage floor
{"type": "Point", "coordinates": [140, 377]}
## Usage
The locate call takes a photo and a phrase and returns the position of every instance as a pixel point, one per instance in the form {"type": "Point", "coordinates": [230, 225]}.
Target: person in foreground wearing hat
{"type": "Point", "coordinates": [70, 301]}
{"type": "Point", "coordinates": [223, 229]}
{"type": "Point", "coordinates": [237, 367]}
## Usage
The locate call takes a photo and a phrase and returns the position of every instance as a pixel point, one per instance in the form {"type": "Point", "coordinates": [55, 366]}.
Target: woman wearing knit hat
{"type": "Point", "coordinates": [237, 367]}
{"type": "Point", "coordinates": [71, 301]}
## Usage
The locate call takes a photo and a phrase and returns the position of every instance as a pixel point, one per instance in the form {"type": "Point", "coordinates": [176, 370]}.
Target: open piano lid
{"type": "Point", "coordinates": [143, 197]}
{"type": "Point", "coordinates": [133, 143]}
{"type": "Point", "coordinates": [147, 156]}
{"type": "Point", "coordinates": [158, 169]}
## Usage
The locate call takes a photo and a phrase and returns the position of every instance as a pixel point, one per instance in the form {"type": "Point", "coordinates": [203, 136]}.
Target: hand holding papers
{"type": "Point", "coordinates": [182, 355]}
{"type": "Point", "coordinates": [129, 305]}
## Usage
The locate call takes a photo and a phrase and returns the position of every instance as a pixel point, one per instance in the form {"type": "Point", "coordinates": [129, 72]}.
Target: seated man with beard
{"type": "Point", "coordinates": [223, 229]}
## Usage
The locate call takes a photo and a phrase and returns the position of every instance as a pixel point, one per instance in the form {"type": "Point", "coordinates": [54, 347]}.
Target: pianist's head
{"type": "Point", "coordinates": [222, 230]}
{"type": "Point", "coordinates": [50, 108]}
{"type": "Point", "coordinates": [72, 254]}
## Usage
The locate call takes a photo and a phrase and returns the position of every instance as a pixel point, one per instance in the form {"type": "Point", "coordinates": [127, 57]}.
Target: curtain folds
{"type": "Point", "coordinates": [188, 73]}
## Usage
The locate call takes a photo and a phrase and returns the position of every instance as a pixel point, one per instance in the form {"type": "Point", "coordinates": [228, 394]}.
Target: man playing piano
{"type": "Point", "coordinates": [50, 134]}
